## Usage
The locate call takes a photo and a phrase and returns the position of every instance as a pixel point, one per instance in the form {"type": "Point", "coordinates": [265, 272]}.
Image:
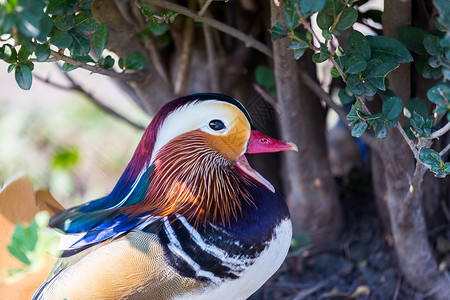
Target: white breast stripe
{"type": "Point", "coordinates": [235, 263]}
{"type": "Point", "coordinates": [175, 247]}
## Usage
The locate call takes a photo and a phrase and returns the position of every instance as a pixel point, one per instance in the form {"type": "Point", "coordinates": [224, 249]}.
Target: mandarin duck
{"type": "Point", "coordinates": [188, 219]}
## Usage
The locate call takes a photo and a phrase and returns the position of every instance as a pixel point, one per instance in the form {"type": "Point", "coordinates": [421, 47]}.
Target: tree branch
{"type": "Point", "coordinates": [440, 132]}
{"type": "Point", "coordinates": [267, 97]}
{"type": "Point", "coordinates": [91, 98]}
{"type": "Point", "coordinates": [185, 57]}
{"type": "Point", "coordinates": [99, 70]}
{"type": "Point", "coordinates": [204, 8]}
{"type": "Point", "coordinates": [320, 92]}
{"type": "Point", "coordinates": [247, 39]}
{"type": "Point", "coordinates": [443, 151]}
{"type": "Point", "coordinates": [408, 140]}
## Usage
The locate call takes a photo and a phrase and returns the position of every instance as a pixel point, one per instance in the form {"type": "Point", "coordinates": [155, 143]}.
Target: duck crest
{"type": "Point", "coordinates": [191, 179]}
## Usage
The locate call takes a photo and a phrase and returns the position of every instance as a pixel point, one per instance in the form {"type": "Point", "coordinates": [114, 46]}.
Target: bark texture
{"type": "Point", "coordinates": [404, 199]}
{"type": "Point", "coordinates": [311, 195]}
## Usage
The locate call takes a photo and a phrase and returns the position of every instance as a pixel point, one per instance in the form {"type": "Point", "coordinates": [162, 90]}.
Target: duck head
{"type": "Point", "coordinates": [195, 147]}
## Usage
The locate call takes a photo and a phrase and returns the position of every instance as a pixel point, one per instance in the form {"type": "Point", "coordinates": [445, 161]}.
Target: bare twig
{"type": "Point", "coordinates": [337, 19]}
{"type": "Point", "coordinates": [50, 59]}
{"type": "Point", "coordinates": [307, 292]}
{"type": "Point", "coordinates": [267, 97]}
{"type": "Point", "coordinates": [76, 87]}
{"type": "Point", "coordinates": [320, 92]}
{"type": "Point", "coordinates": [445, 210]}
{"type": "Point", "coordinates": [443, 151]}
{"type": "Point", "coordinates": [440, 132]}
{"type": "Point", "coordinates": [211, 54]}
{"type": "Point", "coordinates": [338, 69]}
{"type": "Point", "coordinates": [411, 145]}
{"type": "Point", "coordinates": [185, 57]}
{"type": "Point", "coordinates": [305, 22]}
{"type": "Point", "coordinates": [247, 39]}
{"type": "Point", "coordinates": [204, 8]}
{"type": "Point", "coordinates": [397, 288]}
{"type": "Point", "coordinates": [96, 69]}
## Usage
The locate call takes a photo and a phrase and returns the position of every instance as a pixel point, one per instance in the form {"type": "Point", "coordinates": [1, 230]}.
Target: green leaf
{"type": "Point", "coordinates": [147, 12]}
{"type": "Point", "coordinates": [24, 53]}
{"type": "Point", "coordinates": [121, 63]}
{"type": "Point", "coordinates": [333, 7]}
{"type": "Point", "coordinates": [171, 16]}
{"type": "Point", "coordinates": [160, 29]}
{"type": "Point", "coordinates": [434, 61]}
{"type": "Point", "coordinates": [369, 89]}
{"type": "Point", "coordinates": [135, 61]}
{"type": "Point", "coordinates": [11, 67]}
{"type": "Point", "coordinates": [8, 53]}
{"type": "Point", "coordinates": [381, 131]}
{"type": "Point", "coordinates": [421, 125]}
{"type": "Point", "coordinates": [61, 39]}
{"type": "Point", "coordinates": [440, 93]}
{"type": "Point", "coordinates": [344, 97]}
{"type": "Point", "coordinates": [80, 45]}
{"type": "Point", "coordinates": [373, 14]}
{"type": "Point", "coordinates": [23, 76]}
{"type": "Point", "coordinates": [379, 72]}
{"type": "Point", "coordinates": [327, 35]}
{"type": "Point", "coordinates": [108, 62]}
{"type": "Point", "coordinates": [62, 7]}
{"type": "Point", "coordinates": [291, 15]}
{"type": "Point", "coordinates": [389, 49]}
{"type": "Point", "coordinates": [42, 52]}
{"type": "Point", "coordinates": [68, 67]}
{"type": "Point", "coordinates": [359, 128]}
{"type": "Point", "coordinates": [28, 20]}
{"type": "Point", "coordinates": [46, 25]}
{"type": "Point", "coordinates": [355, 85]}
{"type": "Point", "coordinates": [324, 53]}
{"type": "Point", "coordinates": [355, 64]}
{"type": "Point", "coordinates": [299, 48]}
{"type": "Point", "coordinates": [347, 19]}
{"type": "Point", "coordinates": [65, 157]}
{"type": "Point", "coordinates": [430, 157]}
{"type": "Point", "coordinates": [357, 43]}
{"type": "Point", "coordinates": [417, 105]}
{"type": "Point", "coordinates": [424, 69]}
{"type": "Point", "coordinates": [64, 22]}
{"type": "Point", "coordinates": [86, 24]}
{"type": "Point", "coordinates": [264, 77]}
{"type": "Point", "coordinates": [324, 21]}
{"type": "Point", "coordinates": [392, 108]}
{"type": "Point", "coordinates": [413, 38]}
{"type": "Point", "coordinates": [309, 7]}
{"type": "Point", "coordinates": [101, 37]}
{"type": "Point", "coordinates": [278, 31]}
{"type": "Point", "coordinates": [432, 45]}
{"type": "Point", "coordinates": [7, 22]}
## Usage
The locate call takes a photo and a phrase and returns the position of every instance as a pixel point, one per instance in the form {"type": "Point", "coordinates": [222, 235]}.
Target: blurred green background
{"type": "Point", "coordinates": [60, 140]}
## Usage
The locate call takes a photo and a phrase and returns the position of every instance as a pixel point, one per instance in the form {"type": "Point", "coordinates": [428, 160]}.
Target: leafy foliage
{"type": "Point", "coordinates": [368, 60]}
{"type": "Point", "coordinates": [30, 244]}
{"type": "Point", "coordinates": [40, 26]}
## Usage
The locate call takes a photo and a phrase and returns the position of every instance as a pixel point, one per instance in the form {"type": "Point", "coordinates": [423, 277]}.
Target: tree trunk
{"type": "Point", "coordinates": [404, 203]}
{"type": "Point", "coordinates": [123, 26]}
{"type": "Point", "coordinates": [311, 195]}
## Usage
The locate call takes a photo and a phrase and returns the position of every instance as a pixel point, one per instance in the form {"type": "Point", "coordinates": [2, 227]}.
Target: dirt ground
{"type": "Point", "coordinates": [360, 265]}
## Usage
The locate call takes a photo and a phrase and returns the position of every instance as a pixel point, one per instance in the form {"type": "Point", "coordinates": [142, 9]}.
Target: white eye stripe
{"type": "Point", "coordinates": [196, 116]}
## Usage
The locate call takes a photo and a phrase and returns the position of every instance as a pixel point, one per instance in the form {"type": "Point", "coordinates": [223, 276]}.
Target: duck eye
{"type": "Point", "coordinates": [216, 125]}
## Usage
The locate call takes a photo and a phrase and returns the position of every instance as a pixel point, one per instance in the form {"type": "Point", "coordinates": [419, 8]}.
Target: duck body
{"type": "Point", "coordinates": [188, 219]}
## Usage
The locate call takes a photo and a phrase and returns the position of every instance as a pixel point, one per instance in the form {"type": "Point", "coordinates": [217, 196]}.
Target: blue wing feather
{"type": "Point", "coordinates": [102, 219]}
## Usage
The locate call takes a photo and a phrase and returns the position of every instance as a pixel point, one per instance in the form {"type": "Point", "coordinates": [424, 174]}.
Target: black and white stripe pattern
{"type": "Point", "coordinates": [209, 255]}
